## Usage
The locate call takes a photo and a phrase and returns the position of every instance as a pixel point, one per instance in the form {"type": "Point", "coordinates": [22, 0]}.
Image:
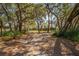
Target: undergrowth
{"type": "Point", "coordinates": [72, 35]}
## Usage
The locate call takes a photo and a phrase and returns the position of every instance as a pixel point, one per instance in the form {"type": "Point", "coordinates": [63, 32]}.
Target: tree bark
{"type": "Point", "coordinates": [7, 16]}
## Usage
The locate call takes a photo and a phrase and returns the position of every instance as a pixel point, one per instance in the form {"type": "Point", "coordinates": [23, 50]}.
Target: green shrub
{"type": "Point", "coordinates": [76, 38]}
{"type": "Point", "coordinates": [73, 35]}
{"type": "Point", "coordinates": [17, 33]}
{"type": "Point", "coordinates": [11, 33]}
{"type": "Point", "coordinates": [8, 33]}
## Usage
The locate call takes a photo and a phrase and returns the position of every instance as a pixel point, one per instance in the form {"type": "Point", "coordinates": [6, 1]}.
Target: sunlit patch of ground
{"type": "Point", "coordinates": [34, 44]}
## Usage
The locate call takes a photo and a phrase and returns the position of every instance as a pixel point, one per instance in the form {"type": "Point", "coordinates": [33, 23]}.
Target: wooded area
{"type": "Point", "coordinates": [50, 29]}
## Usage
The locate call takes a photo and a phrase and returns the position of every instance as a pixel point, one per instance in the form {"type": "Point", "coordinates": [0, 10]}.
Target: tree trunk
{"type": "Point", "coordinates": [20, 18]}
{"type": "Point", "coordinates": [1, 26]}
{"type": "Point", "coordinates": [38, 27]}
{"type": "Point", "coordinates": [48, 23]}
{"type": "Point", "coordinates": [73, 14]}
{"type": "Point", "coordinates": [7, 16]}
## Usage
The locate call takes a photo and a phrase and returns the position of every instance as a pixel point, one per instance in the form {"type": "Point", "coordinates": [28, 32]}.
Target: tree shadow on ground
{"type": "Point", "coordinates": [68, 44]}
{"type": "Point", "coordinates": [57, 48]}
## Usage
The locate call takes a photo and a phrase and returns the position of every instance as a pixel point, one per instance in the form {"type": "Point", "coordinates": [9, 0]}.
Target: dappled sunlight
{"type": "Point", "coordinates": [39, 44]}
{"type": "Point", "coordinates": [41, 29]}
